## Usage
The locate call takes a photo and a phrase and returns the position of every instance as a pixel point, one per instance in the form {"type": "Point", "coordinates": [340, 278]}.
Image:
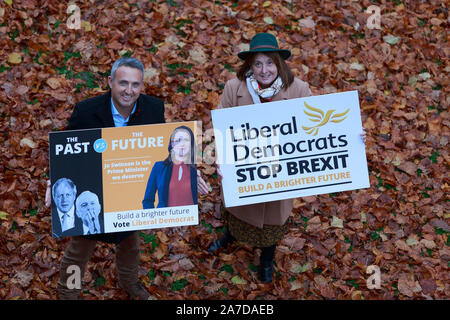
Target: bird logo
{"type": "Point", "coordinates": [318, 115]}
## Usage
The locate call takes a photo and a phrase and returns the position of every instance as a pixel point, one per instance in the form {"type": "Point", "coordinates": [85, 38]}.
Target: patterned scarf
{"type": "Point", "coordinates": [267, 93]}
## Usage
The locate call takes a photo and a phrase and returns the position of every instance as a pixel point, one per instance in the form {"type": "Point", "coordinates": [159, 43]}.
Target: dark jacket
{"type": "Point", "coordinates": [159, 180]}
{"type": "Point", "coordinates": [96, 113]}
{"type": "Point", "coordinates": [56, 226]}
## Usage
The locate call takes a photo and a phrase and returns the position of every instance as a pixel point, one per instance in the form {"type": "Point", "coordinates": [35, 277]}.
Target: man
{"type": "Point", "coordinates": [65, 222]}
{"type": "Point", "coordinates": [124, 105]}
{"type": "Point", "coordinates": [88, 210]}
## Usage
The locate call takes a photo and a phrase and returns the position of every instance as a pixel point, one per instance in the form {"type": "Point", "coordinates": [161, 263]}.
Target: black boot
{"type": "Point", "coordinates": [223, 242]}
{"type": "Point", "coordinates": [265, 271]}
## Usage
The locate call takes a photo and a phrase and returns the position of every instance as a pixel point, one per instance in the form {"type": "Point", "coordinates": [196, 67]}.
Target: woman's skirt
{"type": "Point", "coordinates": [254, 236]}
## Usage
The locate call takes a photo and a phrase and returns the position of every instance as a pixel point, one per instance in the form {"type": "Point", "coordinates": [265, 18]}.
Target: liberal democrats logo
{"type": "Point", "coordinates": [318, 115]}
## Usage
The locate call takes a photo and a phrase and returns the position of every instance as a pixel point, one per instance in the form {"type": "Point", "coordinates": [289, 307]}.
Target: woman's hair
{"type": "Point", "coordinates": [283, 70]}
{"type": "Point", "coordinates": [168, 160]}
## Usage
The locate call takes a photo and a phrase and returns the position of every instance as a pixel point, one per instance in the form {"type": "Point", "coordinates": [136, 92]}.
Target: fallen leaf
{"type": "Point", "coordinates": [24, 278]}
{"type": "Point", "coordinates": [186, 264]}
{"type": "Point", "coordinates": [429, 244]}
{"type": "Point", "coordinates": [15, 58]}
{"type": "Point", "coordinates": [402, 245]}
{"type": "Point", "coordinates": [391, 39]}
{"type": "Point", "coordinates": [3, 215]}
{"type": "Point", "coordinates": [412, 241]}
{"type": "Point", "coordinates": [162, 237]}
{"type": "Point", "coordinates": [198, 55]}
{"type": "Point", "coordinates": [160, 251]}
{"type": "Point", "coordinates": [53, 83]}
{"type": "Point", "coordinates": [307, 23]}
{"type": "Point", "coordinates": [238, 280]}
{"type": "Point", "coordinates": [21, 90]}
{"type": "Point", "coordinates": [26, 142]}
{"type": "Point", "coordinates": [357, 66]}
{"type": "Point", "coordinates": [407, 286]}
{"type": "Point", "coordinates": [296, 284]}
{"type": "Point", "coordinates": [86, 25]}
{"type": "Point", "coordinates": [268, 20]}
{"type": "Point", "coordinates": [337, 223]}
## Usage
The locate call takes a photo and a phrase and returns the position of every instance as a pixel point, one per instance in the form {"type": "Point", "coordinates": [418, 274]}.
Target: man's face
{"type": "Point", "coordinates": [64, 197]}
{"type": "Point", "coordinates": [126, 87]}
{"type": "Point", "coordinates": [89, 206]}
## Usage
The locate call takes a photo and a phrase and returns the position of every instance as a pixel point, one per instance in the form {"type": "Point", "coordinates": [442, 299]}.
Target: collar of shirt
{"type": "Point", "coordinates": [70, 222]}
{"type": "Point", "coordinates": [119, 121]}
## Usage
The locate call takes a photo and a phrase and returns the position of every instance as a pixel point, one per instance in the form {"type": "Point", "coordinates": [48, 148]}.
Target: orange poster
{"type": "Point", "coordinates": [124, 178]}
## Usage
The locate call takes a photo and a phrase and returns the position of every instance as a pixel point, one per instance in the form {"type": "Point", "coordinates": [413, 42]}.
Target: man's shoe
{"type": "Point", "coordinates": [68, 294]}
{"type": "Point", "coordinates": [136, 291]}
{"type": "Point", "coordinates": [215, 246]}
{"type": "Point", "coordinates": [265, 272]}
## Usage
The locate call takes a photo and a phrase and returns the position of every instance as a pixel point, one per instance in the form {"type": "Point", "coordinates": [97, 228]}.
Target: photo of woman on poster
{"type": "Point", "coordinates": [175, 178]}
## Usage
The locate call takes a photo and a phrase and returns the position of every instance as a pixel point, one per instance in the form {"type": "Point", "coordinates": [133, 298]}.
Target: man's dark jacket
{"type": "Point", "coordinates": [57, 227]}
{"type": "Point", "coordinates": [96, 113]}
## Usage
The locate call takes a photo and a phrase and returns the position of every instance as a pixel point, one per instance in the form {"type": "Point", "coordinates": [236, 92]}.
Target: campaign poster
{"type": "Point", "coordinates": [124, 178]}
{"type": "Point", "coordinates": [291, 148]}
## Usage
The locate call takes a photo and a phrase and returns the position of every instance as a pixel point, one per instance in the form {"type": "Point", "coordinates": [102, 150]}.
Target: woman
{"type": "Point", "coordinates": [175, 178]}
{"type": "Point", "coordinates": [263, 77]}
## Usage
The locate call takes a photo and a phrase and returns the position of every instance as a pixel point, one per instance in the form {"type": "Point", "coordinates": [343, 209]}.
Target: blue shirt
{"type": "Point", "coordinates": [119, 121]}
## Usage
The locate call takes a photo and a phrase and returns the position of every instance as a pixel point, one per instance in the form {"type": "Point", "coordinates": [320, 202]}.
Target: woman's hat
{"type": "Point", "coordinates": [264, 42]}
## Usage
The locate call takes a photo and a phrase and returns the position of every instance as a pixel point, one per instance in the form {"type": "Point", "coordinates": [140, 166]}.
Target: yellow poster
{"type": "Point", "coordinates": [133, 178]}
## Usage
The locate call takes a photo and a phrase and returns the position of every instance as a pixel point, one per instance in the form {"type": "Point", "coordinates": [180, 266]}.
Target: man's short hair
{"type": "Point", "coordinates": [127, 62]}
{"type": "Point", "coordinates": [66, 181]}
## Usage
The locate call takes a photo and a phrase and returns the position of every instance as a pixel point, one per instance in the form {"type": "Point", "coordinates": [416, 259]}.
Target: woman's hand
{"type": "Point", "coordinates": [201, 184]}
{"type": "Point", "coordinates": [363, 136]}
{"type": "Point", "coordinates": [219, 172]}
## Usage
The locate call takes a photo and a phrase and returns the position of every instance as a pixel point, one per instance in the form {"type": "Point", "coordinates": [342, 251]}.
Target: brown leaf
{"type": "Point", "coordinates": [53, 83]}
{"type": "Point", "coordinates": [407, 286]}
{"type": "Point", "coordinates": [186, 264]}
{"type": "Point", "coordinates": [409, 167]}
{"type": "Point", "coordinates": [15, 58]}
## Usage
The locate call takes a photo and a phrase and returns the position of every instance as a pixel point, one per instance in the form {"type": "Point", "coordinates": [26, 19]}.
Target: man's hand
{"type": "Point", "coordinates": [48, 195]}
{"type": "Point", "coordinates": [89, 216]}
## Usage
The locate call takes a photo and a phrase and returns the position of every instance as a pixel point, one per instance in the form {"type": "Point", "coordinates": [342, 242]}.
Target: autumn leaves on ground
{"type": "Point", "coordinates": [189, 50]}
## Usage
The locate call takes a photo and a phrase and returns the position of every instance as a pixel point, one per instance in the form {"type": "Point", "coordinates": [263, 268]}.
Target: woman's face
{"type": "Point", "coordinates": [264, 70]}
{"type": "Point", "coordinates": [181, 145]}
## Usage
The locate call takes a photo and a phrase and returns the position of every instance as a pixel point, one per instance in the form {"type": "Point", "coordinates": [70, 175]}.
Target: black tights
{"type": "Point", "coordinates": [267, 254]}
